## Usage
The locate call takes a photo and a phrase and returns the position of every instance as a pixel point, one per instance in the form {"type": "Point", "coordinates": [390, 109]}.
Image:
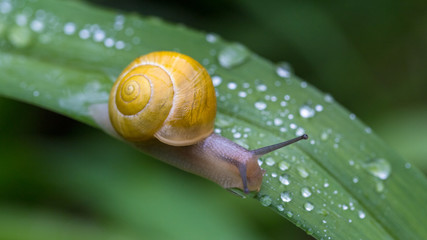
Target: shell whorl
{"type": "Point", "coordinates": [167, 95]}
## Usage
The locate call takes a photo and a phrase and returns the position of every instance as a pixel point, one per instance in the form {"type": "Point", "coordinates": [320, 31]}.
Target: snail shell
{"type": "Point", "coordinates": [167, 95]}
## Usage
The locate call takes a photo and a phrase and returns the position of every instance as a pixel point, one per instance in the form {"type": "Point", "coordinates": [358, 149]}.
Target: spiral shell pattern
{"type": "Point", "coordinates": [167, 95]}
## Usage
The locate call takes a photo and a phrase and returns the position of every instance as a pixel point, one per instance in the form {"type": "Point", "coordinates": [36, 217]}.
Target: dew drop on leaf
{"type": "Point", "coordinates": [69, 28]}
{"type": "Point", "coordinates": [283, 165]}
{"type": "Point", "coordinates": [305, 192]}
{"type": "Point", "coordinates": [216, 80]}
{"type": "Point", "coordinates": [308, 206]}
{"type": "Point", "coordinates": [265, 200]}
{"type": "Point", "coordinates": [283, 70]}
{"type": "Point", "coordinates": [379, 168]}
{"type": "Point", "coordinates": [303, 172]}
{"type": "Point", "coordinates": [260, 105]}
{"type": "Point", "coordinates": [270, 161]}
{"type": "Point", "coordinates": [232, 55]}
{"type": "Point", "coordinates": [284, 179]}
{"type": "Point", "coordinates": [361, 214]}
{"type": "Point", "coordinates": [20, 37]}
{"type": "Point", "coordinates": [286, 196]}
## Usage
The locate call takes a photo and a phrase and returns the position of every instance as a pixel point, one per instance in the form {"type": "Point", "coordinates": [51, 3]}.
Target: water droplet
{"type": "Point", "coordinates": [326, 184]}
{"type": "Point", "coordinates": [5, 7]}
{"type": "Point", "coordinates": [362, 215]}
{"type": "Point", "coordinates": [280, 208]}
{"type": "Point", "coordinates": [216, 80]}
{"type": "Point", "coordinates": [237, 135]}
{"type": "Point", "coordinates": [21, 20]}
{"type": "Point", "coordinates": [232, 85]}
{"type": "Point", "coordinates": [352, 116]}
{"type": "Point", "coordinates": [261, 88]}
{"type": "Point", "coordinates": [265, 200]}
{"type": "Point", "coordinates": [305, 192]}
{"type": "Point", "coordinates": [407, 165]}
{"type": "Point", "coordinates": [368, 130]}
{"type": "Point", "coordinates": [379, 186]}
{"type": "Point", "coordinates": [36, 93]}
{"type": "Point", "coordinates": [308, 206]}
{"type": "Point", "coordinates": [84, 34]}
{"type": "Point", "coordinates": [211, 38]}
{"type": "Point", "coordinates": [273, 98]}
{"type": "Point", "coordinates": [242, 94]}
{"type": "Point", "coordinates": [379, 168]}
{"type": "Point", "coordinates": [318, 108]}
{"type": "Point", "coordinates": [278, 121]}
{"type": "Point", "coordinates": [69, 28]}
{"type": "Point", "coordinates": [355, 179]}
{"type": "Point", "coordinates": [20, 37]}
{"type": "Point", "coordinates": [286, 196]}
{"type": "Point", "coordinates": [129, 32]}
{"type": "Point", "coordinates": [300, 131]}
{"type": "Point", "coordinates": [37, 25]}
{"type": "Point", "coordinates": [284, 179]}
{"type": "Point", "coordinates": [233, 55]}
{"type": "Point", "coordinates": [260, 105]}
{"type": "Point", "coordinates": [109, 42]}
{"type": "Point", "coordinates": [284, 70]}
{"type": "Point", "coordinates": [99, 35]}
{"type": "Point", "coordinates": [324, 136]}
{"type": "Point", "coordinates": [344, 207]}
{"type": "Point", "coordinates": [303, 172]}
{"type": "Point", "coordinates": [283, 165]}
{"type": "Point", "coordinates": [303, 84]}
{"type": "Point", "coordinates": [120, 45]}
{"type": "Point", "coordinates": [323, 212]}
{"type": "Point", "coordinates": [328, 98]}
{"type": "Point", "coordinates": [270, 161]}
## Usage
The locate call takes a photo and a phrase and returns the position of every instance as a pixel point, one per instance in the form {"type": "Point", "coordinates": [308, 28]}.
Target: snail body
{"type": "Point", "coordinates": [164, 104]}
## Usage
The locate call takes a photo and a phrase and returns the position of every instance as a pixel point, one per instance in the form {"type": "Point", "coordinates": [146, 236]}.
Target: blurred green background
{"type": "Point", "coordinates": [62, 179]}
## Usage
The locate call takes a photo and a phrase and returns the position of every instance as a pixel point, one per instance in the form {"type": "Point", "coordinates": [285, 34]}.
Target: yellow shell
{"type": "Point", "coordinates": [167, 95]}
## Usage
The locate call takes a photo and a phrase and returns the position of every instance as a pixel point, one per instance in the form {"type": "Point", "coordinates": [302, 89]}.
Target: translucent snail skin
{"type": "Point", "coordinates": [164, 103]}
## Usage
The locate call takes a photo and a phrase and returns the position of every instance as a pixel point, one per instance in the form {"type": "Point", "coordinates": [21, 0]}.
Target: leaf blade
{"type": "Point", "coordinates": [69, 72]}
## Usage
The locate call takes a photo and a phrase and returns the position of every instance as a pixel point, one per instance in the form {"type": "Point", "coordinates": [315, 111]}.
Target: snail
{"type": "Point", "coordinates": [164, 103]}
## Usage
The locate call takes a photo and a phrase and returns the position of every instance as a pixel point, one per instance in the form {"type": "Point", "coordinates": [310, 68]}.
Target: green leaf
{"type": "Point", "coordinates": [344, 183]}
